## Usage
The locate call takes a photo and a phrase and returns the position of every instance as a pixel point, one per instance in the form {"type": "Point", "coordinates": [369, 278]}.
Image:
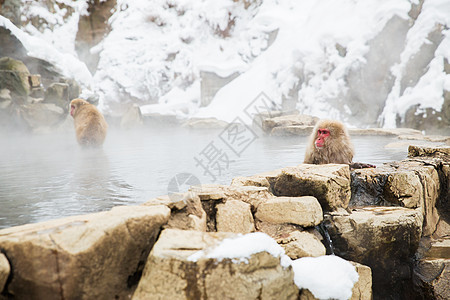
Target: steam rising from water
{"type": "Point", "coordinates": [49, 176]}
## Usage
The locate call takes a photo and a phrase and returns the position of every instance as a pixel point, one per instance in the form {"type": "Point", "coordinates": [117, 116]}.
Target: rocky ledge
{"type": "Point", "coordinates": [391, 223]}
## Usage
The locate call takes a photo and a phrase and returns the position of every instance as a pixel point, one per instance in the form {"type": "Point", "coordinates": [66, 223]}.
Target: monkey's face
{"type": "Point", "coordinates": [75, 104]}
{"type": "Point", "coordinates": [322, 135]}
{"type": "Point", "coordinates": [72, 109]}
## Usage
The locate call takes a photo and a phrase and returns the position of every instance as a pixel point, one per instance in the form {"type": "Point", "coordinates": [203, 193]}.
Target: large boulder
{"type": "Point", "coordinates": [38, 115]}
{"type": "Point", "coordinates": [330, 184]}
{"type": "Point", "coordinates": [410, 183]}
{"type": "Point", "coordinates": [14, 76]}
{"type": "Point", "coordinates": [81, 257]}
{"type": "Point", "coordinates": [383, 238]}
{"type": "Point", "coordinates": [198, 265]}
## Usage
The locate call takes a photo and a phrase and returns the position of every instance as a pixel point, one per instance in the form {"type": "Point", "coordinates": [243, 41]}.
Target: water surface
{"type": "Point", "coordinates": [49, 176]}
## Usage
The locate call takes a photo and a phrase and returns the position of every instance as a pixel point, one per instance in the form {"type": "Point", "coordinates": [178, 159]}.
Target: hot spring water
{"type": "Point", "coordinates": [49, 176]}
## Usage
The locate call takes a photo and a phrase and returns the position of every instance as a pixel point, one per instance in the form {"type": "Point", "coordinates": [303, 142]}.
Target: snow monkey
{"type": "Point", "coordinates": [330, 143]}
{"type": "Point", "coordinates": [90, 125]}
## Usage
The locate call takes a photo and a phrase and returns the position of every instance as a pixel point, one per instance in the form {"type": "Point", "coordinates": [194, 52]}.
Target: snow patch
{"type": "Point", "coordinates": [327, 277]}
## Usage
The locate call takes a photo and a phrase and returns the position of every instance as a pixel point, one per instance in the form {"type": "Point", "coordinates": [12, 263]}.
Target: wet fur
{"type": "Point", "coordinates": [90, 125]}
{"type": "Point", "coordinates": [338, 148]}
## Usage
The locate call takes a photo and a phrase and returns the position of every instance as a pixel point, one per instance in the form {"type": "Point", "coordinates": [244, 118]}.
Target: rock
{"type": "Point", "coordinates": [385, 131]}
{"type": "Point", "coordinates": [259, 117]}
{"type": "Point", "coordinates": [362, 290]}
{"type": "Point", "coordinates": [304, 211]}
{"type": "Point", "coordinates": [186, 211]}
{"type": "Point", "coordinates": [215, 194]}
{"type": "Point", "coordinates": [34, 80]}
{"type": "Point", "coordinates": [75, 90]}
{"type": "Point", "coordinates": [235, 216]}
{"type": "Point", "coordinates": [5, 95]}
{"type": "Point", "coordinates": [14, 76]}
{"type": "Point", "coordinates": [276, 231]}
{"type": "Point", "coordinates": [383, 238]}
{"type": "Point", "coordinates": [290, 120]}
{"type": "Point", "coordinates": [330, 184]}
{"type": "Point", "coordinates": [209, 191]}
{"type": "Point", "coordinates": [263, 180]}
{"type": "Point", "coordinates": [4, 270]}
{"type": "Point", "coordinates": [205, 123]}
{"type": "Point", "coordinates": [81, 257]}
{"type": "Point", "coordinates": [252, 195]}
{"type": "Point", "coordinates": [439, 152]}
{"type": "Point", "coordinates": [409, 183]}
{"type": "Point", "coordinates": [58, 94]}
{"type": "Point", "coordinates": [92, 27]}
{"type": "Point", "coordinates": [432, 279]}
{"type": "Point", "coordinates": [132, 118]}
{"type": "Point", "coordinates": [42, 115]}
{"type": "Point", "coordinates": [302, 244]}
{"type": "Point", "coordinates": [292, 130]}
{"type": "Point", "coordinates": [37, 92]}
{"type": "Point", "coordinates": [171, 272]}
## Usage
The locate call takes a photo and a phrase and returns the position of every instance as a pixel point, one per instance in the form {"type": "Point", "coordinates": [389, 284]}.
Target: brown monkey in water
{"type": "Point", "coordinates": [90, 125]}
{"type": "Point", "coordinates": [330, 143]}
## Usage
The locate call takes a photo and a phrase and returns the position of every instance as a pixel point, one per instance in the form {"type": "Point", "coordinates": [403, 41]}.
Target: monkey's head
{"type": "Point", "coordinates": [327, 131]}
{"type": "Point", "coordinates": [75, 105]}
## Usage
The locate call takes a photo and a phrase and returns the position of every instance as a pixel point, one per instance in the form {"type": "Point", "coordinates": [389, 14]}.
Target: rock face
{"type": "Point", "coordinates": [383, 238]}
{"type": "Point", "coordinates": [170, 273]}
{"type": "Point", "coordinates": [81, 257]}
{"type": "Point", "coordinates": [91, 30]}
{"type": "Point", "coordinates": [330, 184]}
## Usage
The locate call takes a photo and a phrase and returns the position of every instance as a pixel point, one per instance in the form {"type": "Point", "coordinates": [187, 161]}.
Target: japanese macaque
{"type": "Point", "coordinates": [90, 125]}
{"type": "Point", "coordinates": [330, 144]}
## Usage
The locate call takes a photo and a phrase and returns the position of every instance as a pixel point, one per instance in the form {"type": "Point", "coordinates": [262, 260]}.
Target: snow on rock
{"type": "Point", "coordinates": [242, 247]}
{"type": "Point", "coordinates": [327, 277]}
{"type": "Point", "coordinates": [428, 92]}
{"type": "Point", "coordinates": [37, 46]}
{"type": "Point", "coordinates": [302, 51]}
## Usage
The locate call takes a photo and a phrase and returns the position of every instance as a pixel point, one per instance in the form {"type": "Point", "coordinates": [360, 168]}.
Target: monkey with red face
{"type": "Point", "coordinates": [330, 144]}
{"type": "Point", "coordinates": [90, 125]}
